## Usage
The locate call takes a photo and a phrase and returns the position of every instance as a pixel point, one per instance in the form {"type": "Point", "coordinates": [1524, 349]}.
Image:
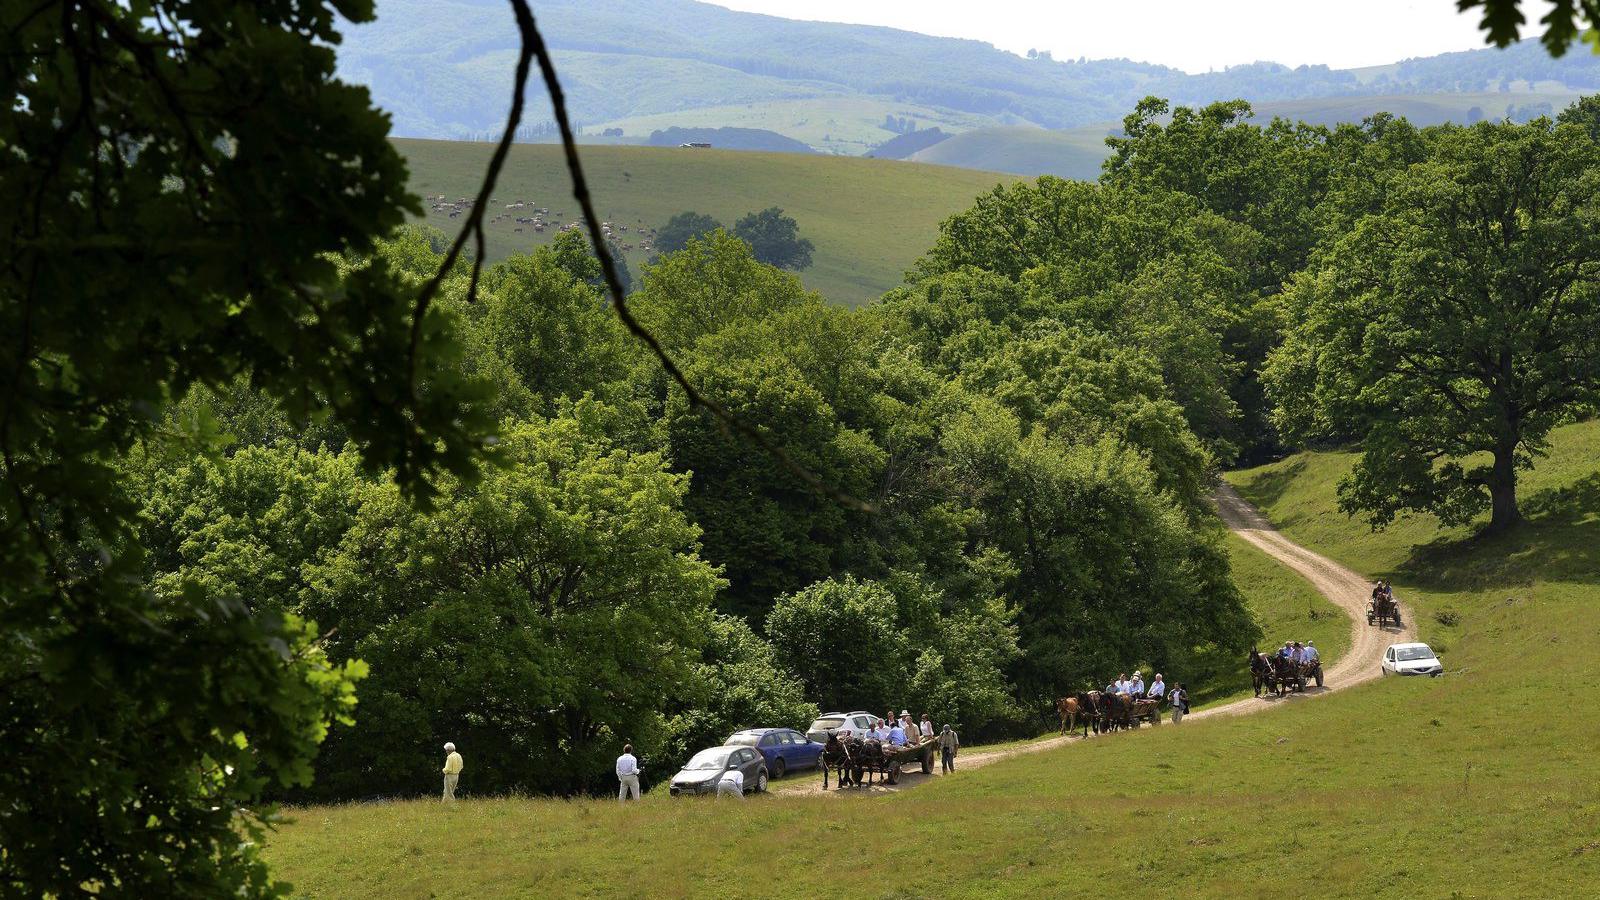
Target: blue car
{"type": "Point", "coordinates": [783, 748]}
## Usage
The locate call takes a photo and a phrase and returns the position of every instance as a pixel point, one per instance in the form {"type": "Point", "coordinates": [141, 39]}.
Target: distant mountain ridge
{"type": "Point", "coordinates": [443, 69]}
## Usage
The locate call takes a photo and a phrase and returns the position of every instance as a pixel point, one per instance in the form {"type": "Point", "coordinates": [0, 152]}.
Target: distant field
{"type": "Point", "coordinates": [1420, 109]}
{"type": "Point", "coordinates": [1073, 153]}
{"type": "Point", "coordinates": [843, 124]}
{"type": "Point", "coordinates": [869, 218]}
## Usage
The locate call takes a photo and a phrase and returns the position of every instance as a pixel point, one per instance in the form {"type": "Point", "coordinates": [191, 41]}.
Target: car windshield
{"type": "Point", "coordinates": [744, 740]}
{"type": "Point", "coordinates": [1407, 654]}
{"type": "Point", "coordinates": [708, 759]}
{"type": "Point", "coordinates": [826, 724]}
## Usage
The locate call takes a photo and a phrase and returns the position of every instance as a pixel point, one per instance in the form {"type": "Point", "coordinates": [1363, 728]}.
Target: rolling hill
{"type": "Point", "coordinates": [1475, 784]}
{"type": "Point", "coordinates": [1070, 153]}
{"type": "Point", "coordinates": [870, 219]}
{"type": "Point", "coordinates": [443, 68]}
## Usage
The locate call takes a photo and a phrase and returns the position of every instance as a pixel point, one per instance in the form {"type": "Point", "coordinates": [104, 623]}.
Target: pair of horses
{"type": "Point", "coordinates": [1280, 674]}
{"type": "Point", "coordinates": [854, 759]}
{"type": "Point", "coordinates": [1105, 712]}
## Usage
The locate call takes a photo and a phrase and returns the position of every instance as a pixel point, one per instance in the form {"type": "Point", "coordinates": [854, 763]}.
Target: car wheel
{"type": "Point", "coordinates": [778, 768]}
{"type": "Point", "coordinates": [761, 782]}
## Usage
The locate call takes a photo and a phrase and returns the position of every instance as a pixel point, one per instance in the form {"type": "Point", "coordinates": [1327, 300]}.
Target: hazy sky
{"type": "Point", "coordinates": [1194, 35]}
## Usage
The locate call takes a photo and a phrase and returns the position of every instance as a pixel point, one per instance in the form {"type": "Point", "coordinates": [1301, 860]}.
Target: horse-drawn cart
{"type": "Point", "coordinates": [1383, 610]}
{"type": "Point", "coordinates": [921, 752]}
{"type": "Point", "coordinates": [857, 761]}
{"type": "Point", "coordinates": [1308, 671]}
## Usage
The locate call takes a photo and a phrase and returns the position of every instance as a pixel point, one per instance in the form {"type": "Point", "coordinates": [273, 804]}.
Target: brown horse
{"type": "Point", "coordinates": [1071, 709]}
{"type": "Point", "coordinates": [1115, 710]}
{"type": "Point", "coordinates": [1284, 673]}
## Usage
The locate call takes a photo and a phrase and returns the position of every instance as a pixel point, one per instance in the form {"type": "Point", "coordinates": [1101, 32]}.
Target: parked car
{"type": "Point", "coordinates": [783, 748]}
{"type": "Point", "coordinates": [701, 774]}
{"type": "Point", "coordinates": [845, 724]}
{"type": "Point", "coordinates": [1411, 659]}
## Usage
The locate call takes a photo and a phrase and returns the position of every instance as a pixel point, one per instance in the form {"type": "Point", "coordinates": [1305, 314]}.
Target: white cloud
{"type": "Point", "coordinates": [1194, 35]}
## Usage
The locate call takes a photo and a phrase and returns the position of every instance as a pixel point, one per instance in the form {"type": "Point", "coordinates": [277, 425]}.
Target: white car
{"type": "Point", "coordinates": [1411, 659]}
{"type": "Point", "coordinates": [851, 724]}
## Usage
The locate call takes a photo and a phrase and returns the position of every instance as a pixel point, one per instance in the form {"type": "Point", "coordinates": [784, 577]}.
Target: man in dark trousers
{"type": "Point", "coordinates": [948, 744]}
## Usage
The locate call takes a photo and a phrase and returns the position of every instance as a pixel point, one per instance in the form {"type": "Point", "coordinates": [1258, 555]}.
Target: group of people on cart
{"type": "Point", "coordinates": [1298, 652]}
{"type": "Point", "coordinates": [1136, 689]}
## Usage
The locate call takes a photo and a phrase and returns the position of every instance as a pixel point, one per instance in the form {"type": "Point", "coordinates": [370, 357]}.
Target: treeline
{"type": "Point", "coordinates": [1030, 427]}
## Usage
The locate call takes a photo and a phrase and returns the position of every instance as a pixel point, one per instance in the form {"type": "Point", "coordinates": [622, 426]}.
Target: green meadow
{"type": "Point", "coordinates": [869, 218]}
{"type": "Point", "coordinates": [1476, 784]}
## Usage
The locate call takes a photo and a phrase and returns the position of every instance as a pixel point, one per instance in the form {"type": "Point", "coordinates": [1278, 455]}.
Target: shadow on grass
{"type": "Point", "coordinates": [1560, 540]}
{"type": "Point", "coordinates": [1266, 488]}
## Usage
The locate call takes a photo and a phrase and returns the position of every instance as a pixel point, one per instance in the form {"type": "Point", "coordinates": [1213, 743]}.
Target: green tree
{"type": "Point", "coordinates": [742, 683]}
{"type": "Point", "coordinates": [1585, 113]}
{"type": "Point", "coordinates": [775, 239]}
{"type": "Point", "coordinates": [715, 282]}
{"type": "Point", "coordinates": [683, 228]}
{"type": "Point", "coordinates": [162, 235]}
{"type": "Point", "coordinates": [845, 641]}
{"type": "Point", "coordinates": [1107, 570]}
{"type": "Point", "coordinates": [1456, 325]}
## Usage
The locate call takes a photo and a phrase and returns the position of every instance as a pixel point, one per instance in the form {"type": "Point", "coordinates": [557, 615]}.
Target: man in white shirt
{"type": "Point", "coordinates": [627, 774]}
{"type": "Point", "coordinates": [1136, 686]}
{"type": "Point", "coordinates": [731, 784]}
{"type": "Point", "coordinates": [880, 733]}
{"type": "Point", "coordinates": [452, 772]}
{"type": "Point", "coordinates": [1311, 652]}
{"type": "Point", "coordinates": [1158, 688]}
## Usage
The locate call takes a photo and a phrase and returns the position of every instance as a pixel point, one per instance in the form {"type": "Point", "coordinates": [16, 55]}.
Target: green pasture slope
{"type": "Point", "coordinates": [1477, 784]}
{"type": "Point", "coordinates": [869, 218]}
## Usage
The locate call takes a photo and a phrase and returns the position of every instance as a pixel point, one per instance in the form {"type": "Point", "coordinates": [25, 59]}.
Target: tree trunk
{"type": "Point", "coordinates": [1503, 491]}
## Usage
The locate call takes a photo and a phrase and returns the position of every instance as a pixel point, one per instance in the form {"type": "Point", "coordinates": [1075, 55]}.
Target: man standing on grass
{"type": "Point", "coordinates": [627, 774]}
{"type": "Point", "coordinates": [452, 772]}
{"type": "Point", "coordinates": [948, 744]}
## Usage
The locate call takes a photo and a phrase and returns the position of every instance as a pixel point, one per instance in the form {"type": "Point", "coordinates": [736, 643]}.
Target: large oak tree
{"type": "Point", "coordinates": [1456, 323]}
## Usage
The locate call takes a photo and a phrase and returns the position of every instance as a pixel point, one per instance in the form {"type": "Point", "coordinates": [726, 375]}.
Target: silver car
{"type": "Point", "coordinates": [851, 724]}
{"type": "Point", "coordinates": [701, 774]}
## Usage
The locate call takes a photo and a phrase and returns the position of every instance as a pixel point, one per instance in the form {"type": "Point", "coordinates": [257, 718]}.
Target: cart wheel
{"type": "Point", "coordinates": [1319, 678]}
{"type": "Point", "coordinates": [927, 763]}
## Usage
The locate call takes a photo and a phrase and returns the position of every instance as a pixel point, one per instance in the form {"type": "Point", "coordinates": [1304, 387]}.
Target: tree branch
{"type": "Point", "coordinates": [532, 40]}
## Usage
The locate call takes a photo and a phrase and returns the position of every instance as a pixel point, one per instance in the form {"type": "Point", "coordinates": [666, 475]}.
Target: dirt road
{"type": "Point", "coordinates": [1343, 587]}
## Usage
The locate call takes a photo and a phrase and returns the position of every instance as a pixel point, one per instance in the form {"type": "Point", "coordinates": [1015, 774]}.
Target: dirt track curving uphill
{"type": "Point", "coordinates": [1345, 588]}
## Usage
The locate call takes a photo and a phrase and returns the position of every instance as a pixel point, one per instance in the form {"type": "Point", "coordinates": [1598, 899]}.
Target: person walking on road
{"type": "Point", "coordinates": [949, 743]}
{"type": "Point", "coordinates": [452, 772]}
{"type": "Point", "coordinates": [627, 774]}
{"type": "Point", "coordinates": [1180, 703]}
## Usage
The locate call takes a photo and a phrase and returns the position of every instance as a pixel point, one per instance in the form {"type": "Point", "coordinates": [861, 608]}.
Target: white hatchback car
{"type": "Point", "coordinates": [1411, 659]}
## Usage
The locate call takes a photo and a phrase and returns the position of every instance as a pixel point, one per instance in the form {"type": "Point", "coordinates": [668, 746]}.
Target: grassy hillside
{"type": "Point", "coordinates": [870, 219]}
{"type": "Point", "coordinates": [850, 125]}
{"type": "Point", "coordinates": [1421, 109]}
{"type": "Point", "coordinates": [1285, 606]}
{"type": "Point", "coordinates": [1477, 784]}
{"type": "Point", "coordinates": [1073, 153]}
